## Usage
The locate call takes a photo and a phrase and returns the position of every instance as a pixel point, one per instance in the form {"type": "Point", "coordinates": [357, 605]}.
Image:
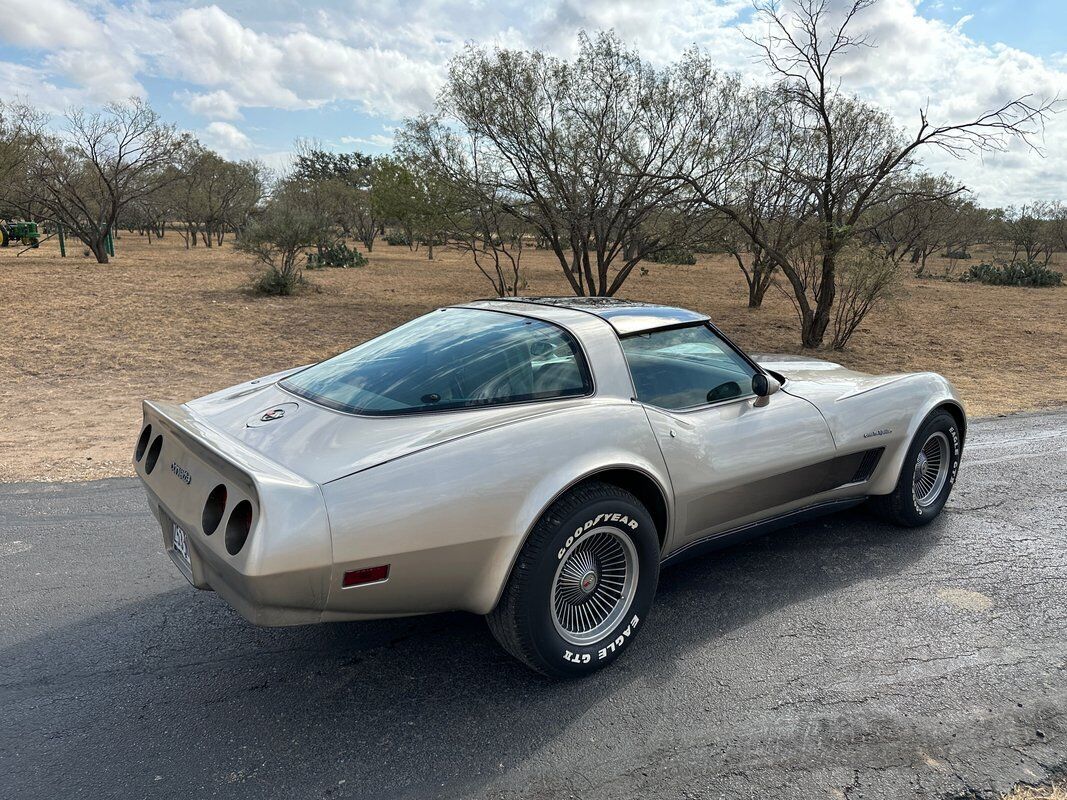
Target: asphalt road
{"type": "Point", "coordinates": [841, 658]}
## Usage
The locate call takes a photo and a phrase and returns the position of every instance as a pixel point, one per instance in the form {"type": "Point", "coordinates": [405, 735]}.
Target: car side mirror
{"type": "Point", "coordinates": [763, 386]}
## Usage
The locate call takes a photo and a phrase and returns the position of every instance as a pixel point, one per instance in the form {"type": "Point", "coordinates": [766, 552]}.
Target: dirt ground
{"type": "Point", "coordinates": [83, 343]}
{"type": "Point", "coordinates": [1051, 792]}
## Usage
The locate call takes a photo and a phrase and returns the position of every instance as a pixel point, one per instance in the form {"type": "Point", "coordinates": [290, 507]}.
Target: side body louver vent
{"type": "Point", "coordinates": [867, 465]}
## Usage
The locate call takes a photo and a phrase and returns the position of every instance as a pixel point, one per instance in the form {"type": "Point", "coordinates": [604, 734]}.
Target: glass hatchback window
{"type": "Point", "coordinates": [449, 359]}
{"type": "Point", "coordinates": [686, 367]}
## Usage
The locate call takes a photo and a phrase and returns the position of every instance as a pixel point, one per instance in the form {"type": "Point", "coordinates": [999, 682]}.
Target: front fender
{"type": "Point", "coordinates": [900, 407]}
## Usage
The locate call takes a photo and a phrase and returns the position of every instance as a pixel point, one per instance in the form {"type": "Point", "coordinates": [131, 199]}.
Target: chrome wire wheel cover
{"type": "Point", "coordinates": [595, 583]}
{"type": "Point", "coordinates": [931, 469]}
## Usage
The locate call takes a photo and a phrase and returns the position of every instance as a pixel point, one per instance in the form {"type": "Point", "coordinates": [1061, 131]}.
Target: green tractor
{"type": "Point", "coordinates": [16, 232]}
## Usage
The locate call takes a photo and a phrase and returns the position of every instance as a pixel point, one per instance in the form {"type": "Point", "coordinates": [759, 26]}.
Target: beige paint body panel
{"type": "Point", "coordinates": [717, 454]}
{"type": "Point", "coordinates": [447, 499]}
{"type": "Point", "coordinates": [281, 576]}
{"type": "Point", "coordinates": [451, 520]}
{"type": "Point", "coordinates": [865, 411]}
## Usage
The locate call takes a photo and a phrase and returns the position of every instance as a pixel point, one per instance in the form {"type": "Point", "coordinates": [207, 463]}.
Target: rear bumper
{"type": "Point", "coordinates": [281, 573]}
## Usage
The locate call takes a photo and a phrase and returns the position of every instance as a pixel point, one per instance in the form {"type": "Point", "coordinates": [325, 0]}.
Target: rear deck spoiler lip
{"type": "Point", "coordinates": [221, 446]}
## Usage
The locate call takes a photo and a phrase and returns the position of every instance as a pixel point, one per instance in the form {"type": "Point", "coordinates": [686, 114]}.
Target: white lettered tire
{"type": "Point", "coordinates": [583, 583]}
{"type": "Point", "coordinates": [931, 465]}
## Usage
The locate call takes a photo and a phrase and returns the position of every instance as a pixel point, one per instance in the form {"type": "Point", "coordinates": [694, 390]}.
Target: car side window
{"type": "Point", "coordinates": [685, 367]}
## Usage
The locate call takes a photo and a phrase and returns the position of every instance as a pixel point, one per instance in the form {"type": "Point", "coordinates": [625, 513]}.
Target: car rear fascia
{"type": "Point", "coordinates": [281, 575]}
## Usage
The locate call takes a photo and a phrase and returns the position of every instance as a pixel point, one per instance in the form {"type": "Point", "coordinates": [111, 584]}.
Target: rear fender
{"type": "Point", "coordinates": [451, 520]}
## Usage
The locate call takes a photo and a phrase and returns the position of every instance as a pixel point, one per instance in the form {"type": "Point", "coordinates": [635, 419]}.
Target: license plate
{"type": "Point", "coordinates": [180, 542]}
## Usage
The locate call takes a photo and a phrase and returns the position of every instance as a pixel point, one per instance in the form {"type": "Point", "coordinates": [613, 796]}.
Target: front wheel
{"type": "Point", "coordinates": [928, 474]}
{"type": "Point", "coordinates": [583, 583]}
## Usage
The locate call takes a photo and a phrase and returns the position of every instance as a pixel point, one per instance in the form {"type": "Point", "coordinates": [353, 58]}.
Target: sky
{"type": "Point", "coordinates": [250, 77]}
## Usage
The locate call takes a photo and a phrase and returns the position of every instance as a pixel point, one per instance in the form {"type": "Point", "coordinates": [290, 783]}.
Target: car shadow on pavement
{"type": "Point", "coordinates": [177, 696]}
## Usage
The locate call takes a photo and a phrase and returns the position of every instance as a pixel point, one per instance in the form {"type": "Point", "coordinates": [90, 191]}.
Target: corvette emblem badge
{"type": "Point", "coordinates": [272, 414]}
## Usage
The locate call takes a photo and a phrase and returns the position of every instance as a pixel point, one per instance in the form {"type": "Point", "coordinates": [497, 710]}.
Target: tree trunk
{"type": "Point", "coordinates": [756, 291]}
{"type": "Point", "coordinates": [98, 245]}
{"type": "Point", "coordinates": [815, 323]}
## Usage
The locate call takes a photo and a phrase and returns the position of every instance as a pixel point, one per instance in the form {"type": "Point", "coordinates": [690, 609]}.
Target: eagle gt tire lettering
{"type": "Point", "coordinates": [908, 506]}
{"type": "Point", "coordinates": [583, 583]}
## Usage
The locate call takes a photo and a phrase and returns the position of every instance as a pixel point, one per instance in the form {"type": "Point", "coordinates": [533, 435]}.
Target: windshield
{"type": "Point", "coordinates": [448, 359]}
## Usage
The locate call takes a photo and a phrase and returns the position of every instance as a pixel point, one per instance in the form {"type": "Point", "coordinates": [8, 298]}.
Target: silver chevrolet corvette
{"type": "Point", "coordinates": [534, 460]}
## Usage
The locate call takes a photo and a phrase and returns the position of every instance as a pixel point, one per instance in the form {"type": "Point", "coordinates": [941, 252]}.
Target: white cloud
{"type": "Point", "coordinates": [219, 104]}
{"type": "Point", "coordinates": [389, 59]}
{"type": "Point", "coordinates": [74, 47]}
{"type": "Point", "coordinates": [48, 24]}
{"type": "Point", "coordinates": [227, 139]}
{"type": "Point", "coordinates": [373, 140]}
{"type": "Point", "coordinates": [962, 21]}
{"type": "Point", "coordinates": [27, 84]}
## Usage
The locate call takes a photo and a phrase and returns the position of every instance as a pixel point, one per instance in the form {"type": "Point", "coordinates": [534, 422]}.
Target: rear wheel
{"type": "Point", "coordinates": [928, 474]}
{"type": "Point", "coordinates": [3, 237]}
{"type": "Point", "coordinates": [583, 583]}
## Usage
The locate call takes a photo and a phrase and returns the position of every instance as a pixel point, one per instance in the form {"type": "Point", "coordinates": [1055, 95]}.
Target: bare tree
{"type": "Point", "coordinates": [918, 218]}
{"type": "Point", "coordinates": [17, 125]}
{"type": "Point", "coordinates": [279, 236]}
{"type": "Point", "coordinates": [496, 242]}
{"type": "Point", "coordinates": [213, 196]}
{"type": "Point", "coordinates": [345, 182]}
{"type": "Point", "coordinates": [765, 196]}
{"type": "Point", "coordinates": [970, 224]}
{"type": "Point", "coordinates": [849, 156]}
{"type": "Point", "coordinates": [102, 162]}
{"type": "Point", "coordinates": [1057, 219]}
{"type": "Point", "coordinates": [573, 150]}
{"type": "Point", "coordinates": [1032, 233]}
{"type": "Point", "coordinates": [867, 277]}
{"type": "Point", "coordinates": [471, 211]}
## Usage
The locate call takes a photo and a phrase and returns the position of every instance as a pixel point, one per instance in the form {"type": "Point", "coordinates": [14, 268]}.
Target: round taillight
{"type": "Point", "coordinates": [238, 527]}
{"type": "Point", "coordinates": [213, 509]}
{"type": "Point", "coordinates": [153, 454]}
{"type": "Point", "coordinates": [142, 443]}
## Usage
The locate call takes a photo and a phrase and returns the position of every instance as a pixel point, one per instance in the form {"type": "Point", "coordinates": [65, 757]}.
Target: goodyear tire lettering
{"type": "Point", "coordinates": [622, 520]}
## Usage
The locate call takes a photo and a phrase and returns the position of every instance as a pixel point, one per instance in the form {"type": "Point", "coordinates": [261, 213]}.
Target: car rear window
{"type": "Point", "coordinates": [449, 359]}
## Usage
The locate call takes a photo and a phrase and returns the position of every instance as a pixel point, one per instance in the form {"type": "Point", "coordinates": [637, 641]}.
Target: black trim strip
{"type": "Point", "coordinates": [759, 528]}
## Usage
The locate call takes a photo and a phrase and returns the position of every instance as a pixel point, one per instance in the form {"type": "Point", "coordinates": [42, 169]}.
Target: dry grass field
{"type": "Point", "coordinates": [82, 343]}
{"type": "Point", "coordinates": [1051, 792]}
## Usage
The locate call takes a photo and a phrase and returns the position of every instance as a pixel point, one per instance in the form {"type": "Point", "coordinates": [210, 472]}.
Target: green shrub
{"type": "Point", "coordinates": [672, 255]}
{"type": "Point", "coordinates": [1021, 273]}
{"type": "Point", "coordinates": [709, 248]}
{"type": "Point", "coordinates": [398, 238]}
{"type": "Point", "coordinates": [956, 254]}
{"type": "Point", "coordinates": [278, 282]}
{"type": "Point", "coordinates": [338, 255]}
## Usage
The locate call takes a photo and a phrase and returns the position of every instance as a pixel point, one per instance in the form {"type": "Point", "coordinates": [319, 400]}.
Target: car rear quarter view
{"type": "Point", "coordinates": [532, 460]}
